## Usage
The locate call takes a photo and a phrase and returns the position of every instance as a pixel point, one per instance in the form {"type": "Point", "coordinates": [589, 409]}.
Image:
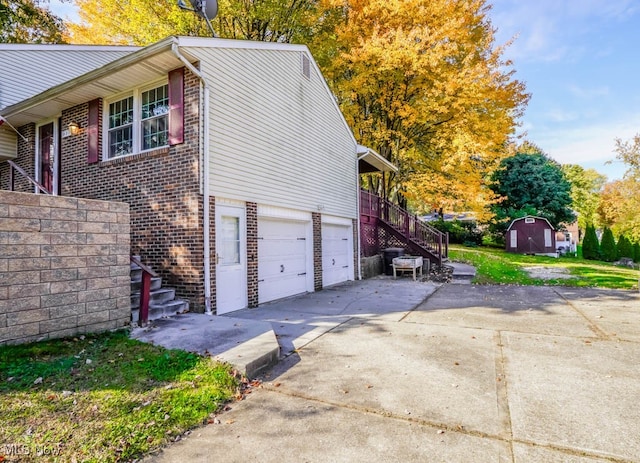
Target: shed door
{"type": "Point", "coordinates": [337, 254]}
{"type": "Point", "coordinates": [282, 258]}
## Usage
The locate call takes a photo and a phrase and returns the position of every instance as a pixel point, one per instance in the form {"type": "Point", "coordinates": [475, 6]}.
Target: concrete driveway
{"type": "Point", "coordinates": [471, 374]}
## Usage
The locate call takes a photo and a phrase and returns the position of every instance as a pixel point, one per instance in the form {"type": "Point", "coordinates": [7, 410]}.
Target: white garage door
{"type": "Point", "coordinates": [337, 254]}
{"type": "Point", "coordinates": [282, 258]}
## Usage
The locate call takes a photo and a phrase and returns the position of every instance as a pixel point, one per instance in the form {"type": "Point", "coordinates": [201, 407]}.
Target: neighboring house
{"type": "Point", "coordinates": [567, 239]}
{"type": "Point", "coordinates": [239, 168]}
{"type": "Point", "coordinates": [531, 235]}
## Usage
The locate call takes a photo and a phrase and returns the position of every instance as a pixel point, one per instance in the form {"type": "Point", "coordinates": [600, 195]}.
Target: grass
{"type": "Point", "coordinates": [495, 266]}
{"type": "Point", "coordinates": [103, 398]}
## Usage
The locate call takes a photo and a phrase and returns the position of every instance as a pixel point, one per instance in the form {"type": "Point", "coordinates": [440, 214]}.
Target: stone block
{"type": "Point", "coordinates": [68, 262]}
{"type": "Point", "coordinates": [24, 225]}
{"type": "Point", "coordinates": [123, 238]}
{"type": "Point", "coordinates": [120, 270]}
{"type": "Point", "coordinates": [58, 226]}
{"type": "Point", "coordinates": [94, 227]}
{"type": "Point", "coordinates": [14, 197]}
{"type": "Point", "coordinates": [19, 278]}
{"type": "Point", "coordinates": [26, 238]}
{"type": "Point", "coordinates": [117, 228]}
{"type": "Point", "coordinates": [64, 202]}
{"type": "Point", "coordinates": [124, 302]}
{"type": "Point", "coordinates": [60, 250]}
{"type": "Point", "coordinates": [120, 291]}
{"type": "Point", "coordinates": [101, 238]}
{"type": "Point", "coordinates": [67, 311]}
{"type": "Point", "coordinates": [3, 320]}
{"type": "Point", "coordinates": [93, 295]}
{"type": "Point", "coordinates": [101, 283]}
{"type": "Point", "coordinates": [4, 210]}
{"type": "Point", "coordinates": [22, 211]}
{"type": "Point", "coordinates": [29, 290]}
{"type": "Point", "coordinates": [94, 272]}
{"type": "Point", "coordinates": [99, 327]}
{"type": "Point", "coordinates": [92, 318]}
{"type": "Point", "coordinates": [19, 265]}
{"type": "Point", "coordinates": [68, 238]}
{"type": "Point", "coordinates": [19, 250]}
{"type": "Point", "coordinates": [115, 206]}
{"type": "Point", "coordinates": [93, 204]}
{"type": "Point", "coordinates": [119, 314]}
{"type": "Point", "coordinates": [72, 286]}
{"type": "Point", "coordinates": [24, 317]}
{"type": "Point", "coordinates": [101, 216]}
{"type": "Point", "coordinates": [59, 274]}
{"type": "Point", "coordinates": [101, 306]}
{"type": "Point", "coordinates": [19, 303]}
{"type": "Point", "coordinates": [102, 261]}
{"type": "Point", "coordinates": [57, 300]}
{"type": "Point", "coordinates": [19, 332]}
{"type": "Point", "coordinates": [95, 250]}
{"type": "Point", "coordinates": [57, 324]}
{"type": "Point", "coordinates": [119, 249]}
{"type": "Point", "coordinates": [69, 215]}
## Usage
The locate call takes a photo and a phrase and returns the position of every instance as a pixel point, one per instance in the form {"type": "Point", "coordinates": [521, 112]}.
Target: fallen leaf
{"type": "Point", "coordinates": [38, 380]}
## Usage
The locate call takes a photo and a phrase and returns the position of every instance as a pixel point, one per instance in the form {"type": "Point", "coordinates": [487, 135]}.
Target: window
{"type": "Point", "coordinates": [529, 220]}
{"type": "Point", "coordinates": [138, 122]}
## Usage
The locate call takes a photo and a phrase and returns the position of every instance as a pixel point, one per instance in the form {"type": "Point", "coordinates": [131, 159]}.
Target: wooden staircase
{"type": "Point", "coordinates": [384, 224]}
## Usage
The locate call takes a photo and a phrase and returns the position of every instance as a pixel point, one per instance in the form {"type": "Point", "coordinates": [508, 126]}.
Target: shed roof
{"type": "Point", "coordinates": [530, 217]}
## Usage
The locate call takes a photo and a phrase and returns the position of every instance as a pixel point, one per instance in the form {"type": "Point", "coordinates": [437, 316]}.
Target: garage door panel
{"type": "Point", "coordinates": [337, 254]}
{"type": "Point", "coordinates": [282, 258]}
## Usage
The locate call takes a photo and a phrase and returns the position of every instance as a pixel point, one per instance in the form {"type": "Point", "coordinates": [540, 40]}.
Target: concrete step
{"type": "Point", "coordinates": [156, 283]}
{"type": "Point", "coordinates": [462, 273]}
{"type": "Point", "coordinates": [156, 297]}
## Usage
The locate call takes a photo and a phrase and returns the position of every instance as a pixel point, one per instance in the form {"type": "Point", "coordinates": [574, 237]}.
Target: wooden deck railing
{"type": "Point", "coordinates": [414, 230]}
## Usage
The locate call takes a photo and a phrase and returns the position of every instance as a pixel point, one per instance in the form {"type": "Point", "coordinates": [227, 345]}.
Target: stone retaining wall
{"type": "Point", "coordinates": [64, 266]}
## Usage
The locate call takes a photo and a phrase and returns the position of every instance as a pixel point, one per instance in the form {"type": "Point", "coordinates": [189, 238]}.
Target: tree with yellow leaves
{"type": "Point", "coordinates": [422, 82]}
{"type": "Point", "coordinates": [141, 22]}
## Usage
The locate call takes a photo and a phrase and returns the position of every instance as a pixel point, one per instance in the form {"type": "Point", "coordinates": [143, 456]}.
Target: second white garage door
{"type": "Point", "coordinates": [282, 259]}
{"type": "Point", "coordinates": [337, 254]}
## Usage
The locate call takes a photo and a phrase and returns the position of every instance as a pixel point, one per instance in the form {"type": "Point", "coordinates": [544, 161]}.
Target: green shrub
{"type": "Point", "coordinates": [636, 251]}
{"type": "Point", "coordinates": [625, 248]}
{"type": "Point", "coordinates": [466, 233]}
{"type": "Point", "coordinates": [608, 246]}
{"type": "Point", "coordinates": [590, 244]}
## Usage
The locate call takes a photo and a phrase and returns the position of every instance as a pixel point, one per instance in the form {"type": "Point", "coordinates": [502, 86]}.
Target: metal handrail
{"type": "Point", "coordinates": [145, 290]}
{"type": "Point", "coordinates": [22, 172]}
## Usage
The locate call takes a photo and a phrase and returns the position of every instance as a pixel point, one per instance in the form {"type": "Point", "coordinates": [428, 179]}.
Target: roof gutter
{"type": "Point", "coordinates": [175, 49]}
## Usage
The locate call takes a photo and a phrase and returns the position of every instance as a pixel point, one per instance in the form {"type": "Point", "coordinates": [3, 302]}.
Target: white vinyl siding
{"type": "Point", "coordinates": [31, 69]}
{"type": "Point", "coordinates": [276, 136]}
{"type": "Point", "coordinates": [8, 143]}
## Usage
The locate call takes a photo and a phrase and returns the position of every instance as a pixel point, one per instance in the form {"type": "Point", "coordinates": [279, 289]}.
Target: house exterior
{"type": "Point", "coordinates": [531, 235]}
{"type": "Point", "coordinates": [567, 239]}
{"type": "Point", "coordinates": [239, 169]}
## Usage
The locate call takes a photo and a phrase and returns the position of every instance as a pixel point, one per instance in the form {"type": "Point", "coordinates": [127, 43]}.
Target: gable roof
{"type": "Point", "coordinates": [531, 217]}
{"type": "Point", "coordinates": [29, 69]}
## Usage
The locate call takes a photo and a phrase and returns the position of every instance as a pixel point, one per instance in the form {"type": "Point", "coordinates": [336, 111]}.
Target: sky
{"type": "Point", "coordinates": [580, 61]}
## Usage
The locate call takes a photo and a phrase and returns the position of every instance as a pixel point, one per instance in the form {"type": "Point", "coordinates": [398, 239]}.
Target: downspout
{"type": "Point", "coordinates": [205, 178]}
{"type": "Point", "coordinates": [359, 215]}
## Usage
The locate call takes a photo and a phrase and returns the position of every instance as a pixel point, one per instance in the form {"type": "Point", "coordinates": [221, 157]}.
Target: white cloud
{"type": "Point", "coordinates": [589, 93]}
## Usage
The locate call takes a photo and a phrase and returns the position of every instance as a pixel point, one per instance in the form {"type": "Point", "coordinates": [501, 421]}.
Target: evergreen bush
{"type": "Point", "coordinates": [608, 247]}
{"type": "Point", "coordinates": [625, 248]}
{"type": "Point", "coordinates": [636, 251]}
{"type": "Point", "coordinates": [590, 244]}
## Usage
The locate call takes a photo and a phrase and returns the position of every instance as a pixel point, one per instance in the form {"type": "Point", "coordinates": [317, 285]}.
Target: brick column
{"type": "Point", "coordinates": [252, 254]}
{"type": "Point", "coordinates": [317, 250]}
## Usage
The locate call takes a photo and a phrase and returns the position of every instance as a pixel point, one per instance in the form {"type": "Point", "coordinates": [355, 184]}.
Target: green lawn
{"type": "Point", "coordinates": [495, 266]}
{"type": "Point", "coordinates": [103, 398]}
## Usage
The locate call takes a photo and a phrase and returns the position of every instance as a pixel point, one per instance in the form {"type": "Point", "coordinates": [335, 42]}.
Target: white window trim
{"type": "Point", "coordinates": [137, 119]}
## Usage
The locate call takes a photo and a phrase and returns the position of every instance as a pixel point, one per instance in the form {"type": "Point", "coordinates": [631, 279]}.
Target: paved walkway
{"type": "Point", "coordinates": [473, 373]}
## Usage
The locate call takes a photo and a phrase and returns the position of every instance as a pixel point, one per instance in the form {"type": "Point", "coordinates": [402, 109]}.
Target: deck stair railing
{"type": "Point", "coordinates": [13, 168]}
{"type": "Point", "coordinates": [412, 232]}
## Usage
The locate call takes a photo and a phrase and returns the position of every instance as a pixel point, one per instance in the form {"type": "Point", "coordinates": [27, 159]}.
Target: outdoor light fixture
{"type": "Point", "coordinates": [74, 128]}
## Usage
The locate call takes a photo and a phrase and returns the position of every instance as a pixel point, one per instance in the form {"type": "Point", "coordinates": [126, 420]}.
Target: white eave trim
{"type": "Point", "coordinates": [375, 159]}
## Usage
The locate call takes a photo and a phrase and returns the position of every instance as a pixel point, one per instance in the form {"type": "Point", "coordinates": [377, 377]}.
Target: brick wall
{"type": "Point", "coordinates": [316, 219]}
{"type": "Point", "coordinates": [64, 266]}
{"type": "Point", "coordinates": [252, 254]}
{"type": "Point", "coordinates": [162, 188]}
